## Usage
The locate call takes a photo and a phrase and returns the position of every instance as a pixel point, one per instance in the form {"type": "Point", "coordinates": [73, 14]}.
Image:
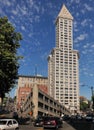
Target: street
{"type": "Point", "coordinates": [82, 125]}
{"type": "Point", "coordinates": [79, 125]}
{"type": "Point", "coordinates": [66, 126]}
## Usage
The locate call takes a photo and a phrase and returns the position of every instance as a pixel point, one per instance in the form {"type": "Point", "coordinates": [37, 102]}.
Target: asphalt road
{"type": "Point", "coordinates": [82, 125]}
{"type": "Point", "coordinates": [73, 125]}
{"type": "Point", "coordinates": [66, 126]}
{"type": "Point", "coordinates": [76, 125]}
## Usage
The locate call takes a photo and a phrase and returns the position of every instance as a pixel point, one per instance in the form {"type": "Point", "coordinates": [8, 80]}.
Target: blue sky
{"type": "Point", "coordinates": [35, 20]}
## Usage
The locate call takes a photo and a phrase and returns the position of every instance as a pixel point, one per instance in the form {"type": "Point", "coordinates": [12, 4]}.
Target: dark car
{"type": "Point", "coordinates": [89, 117]}
{"type": "Point", "coordinates": [38, 122]}
{"type": "Point", "coordinates": [66, 117]}
{"type": "Point", "coordinates": [15, 115]}
{"type": "Point", "coordinates": [52, 122]}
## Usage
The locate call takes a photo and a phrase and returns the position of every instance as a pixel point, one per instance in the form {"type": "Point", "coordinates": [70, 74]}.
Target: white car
{"type": "Point", "coordinates": [9, 124]}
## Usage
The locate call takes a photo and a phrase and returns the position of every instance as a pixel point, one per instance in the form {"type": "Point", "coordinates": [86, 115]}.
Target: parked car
{"type": "Point", "coordinates": [38, 122]}
{"type": "Point", "coordinates": [66, 117]}
{"type": "Point", "coordinates": [52, 122]}
{"type": "Point", "coordinates": [15, 115]}
{"type": "Point", "coordinates": [9, 124]}
{"type": "Point", "coordinates": [79, 117]}
{"type": "Point", "coordinates": [89, 117]}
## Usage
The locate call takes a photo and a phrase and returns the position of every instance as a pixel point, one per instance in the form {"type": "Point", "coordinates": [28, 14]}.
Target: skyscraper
{"type": "Point", "coordinates": [63, 64]}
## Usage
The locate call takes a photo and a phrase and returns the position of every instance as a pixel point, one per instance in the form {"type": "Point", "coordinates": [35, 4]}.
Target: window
{"type": "Point", "coordinates": [10, 123]}
{"type": "Point", "coordinates": [14, 122]}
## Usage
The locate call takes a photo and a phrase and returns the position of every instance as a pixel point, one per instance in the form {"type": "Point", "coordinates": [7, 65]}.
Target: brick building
{"type": "Point", "coordinates": [25, 85]}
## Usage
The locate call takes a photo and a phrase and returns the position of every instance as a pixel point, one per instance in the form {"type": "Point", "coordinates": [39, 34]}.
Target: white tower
{"type": "Point", "coordinates": [63, 65]}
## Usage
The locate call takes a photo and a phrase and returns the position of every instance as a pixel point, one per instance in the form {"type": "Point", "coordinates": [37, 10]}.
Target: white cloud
{"type": "Point", "coordinates": [23, 27]}
{"type": "Point", "coordinates": [83, 11]}
{"type": "Point", "coordinates": [88, 7]}
{"type": "Point", "coordinates": [91, 75]}
{"type": "Point", "coordinates": [14, 12]}
{"type": "Point", "coordinates": [84, 22]}
{"type": "Point", "coordinates": [84, 52]}
{"type": "Point", "coordinates": [30, 3]}
{"type": "Point", "coordinates": [76, 1]}
{"type": "Point", "coordinates": [90, 51]}
{"type": "Point", "coordinates": [92, 46]}
{"type": "Point", "coordinates": [86, 45]}
{"type": "Point", "coordinates": [23, 10]}
{"type": "Point", "coordinates": [37, 18]}
{"type": "Point", "coordinates": [91, 26]}
{"type": "Point", "coordinates": [71, 1]}
{"type": "Point", "coordinates": [8, 3]}
{"type": "Point", "coordinates": [75, 26]}
{"type": "Point", "coordinates": [81, 37]}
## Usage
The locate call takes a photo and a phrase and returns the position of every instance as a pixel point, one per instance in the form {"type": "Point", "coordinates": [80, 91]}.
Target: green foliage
{"type": "Point", "coordinates": [83, 106]}
{"type": "Point", "coordinates": [9, 43]}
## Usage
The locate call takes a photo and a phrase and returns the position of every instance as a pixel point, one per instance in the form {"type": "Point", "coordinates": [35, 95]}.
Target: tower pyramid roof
{"type": "Point", "coordinates": [65, 13]}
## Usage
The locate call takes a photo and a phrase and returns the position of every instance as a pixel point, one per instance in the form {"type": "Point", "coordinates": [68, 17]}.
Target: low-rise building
{"type": "Point", "coordinates": [22, 95]}
{"type": "Point", "coordinates": [26, 83]}
{"type": "Point", "coordinates": [39, 103]}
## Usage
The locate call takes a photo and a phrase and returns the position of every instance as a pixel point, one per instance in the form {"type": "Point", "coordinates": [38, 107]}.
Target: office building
{"type": "Point", "coordinates": [63, 65]}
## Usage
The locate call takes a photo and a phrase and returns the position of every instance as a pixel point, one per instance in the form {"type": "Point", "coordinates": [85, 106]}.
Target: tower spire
{"type": "Point", "coordinates": [64, 12]}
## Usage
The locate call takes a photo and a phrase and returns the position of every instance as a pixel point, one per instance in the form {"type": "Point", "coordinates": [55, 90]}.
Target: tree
{"type": "Point", "coordinates": [83, 106]}
{"type": "Point", "coordinates": [9, 43]}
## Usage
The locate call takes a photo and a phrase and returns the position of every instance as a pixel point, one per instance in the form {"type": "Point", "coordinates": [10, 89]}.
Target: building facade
{"type": "Point", "coordinates": [63, 65]}
{"type": "Point", "coordinates": [23, 92]}
{"type": "Point", "coordinates": [26, 83]}
{"type": "Point", "coordinates": [31, 80]}
{"type": "Point", "coordinates": [39, 103]}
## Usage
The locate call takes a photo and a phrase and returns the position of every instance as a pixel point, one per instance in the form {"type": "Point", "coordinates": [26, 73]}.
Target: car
{"type": "Point", "coordinates": [79, 117]}
{"type": "Point", "coordinates": [52, 122]}
{"type": "Point", "coordinates": [66, 117]}
{"type": "Point", "coordinates": [15, 115]}
{"type": "Point", "coordinates": [89, 117]}
{"type": "Point", "coordinates": [9, 124]}
{"type": "Point", "coordinates": [38, 122]}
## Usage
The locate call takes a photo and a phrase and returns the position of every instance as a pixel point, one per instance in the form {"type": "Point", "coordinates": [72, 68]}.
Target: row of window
{"type": "Point", "coordinates": [50, 108]}
{"type": "Point", "coordinates": [22, 79]}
